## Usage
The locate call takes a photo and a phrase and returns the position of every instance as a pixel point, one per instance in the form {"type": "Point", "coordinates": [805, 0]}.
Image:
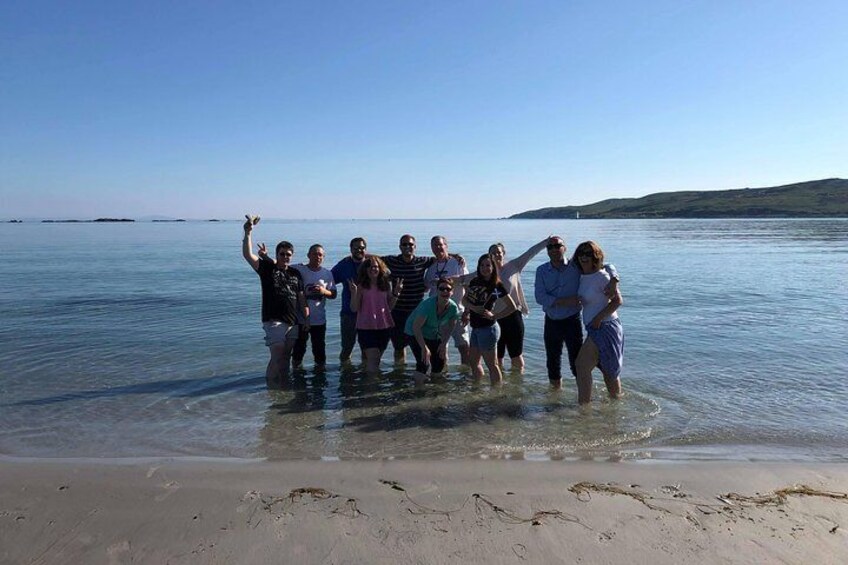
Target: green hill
{"type": "Point", "coordinates": [818, 198]}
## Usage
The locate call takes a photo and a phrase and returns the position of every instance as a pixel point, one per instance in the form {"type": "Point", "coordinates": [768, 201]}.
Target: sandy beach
{"type": "Point", "coordinates": [213, 511]}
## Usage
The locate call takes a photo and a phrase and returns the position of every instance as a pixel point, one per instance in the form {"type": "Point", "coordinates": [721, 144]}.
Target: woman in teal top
{"type": "Point", "coordinates": [428, 329]}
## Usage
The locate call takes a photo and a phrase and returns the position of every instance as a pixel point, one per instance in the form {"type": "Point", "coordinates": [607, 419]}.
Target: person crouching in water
{"type": "Point", "coordinates": [429, 328]}
{"type": "Point", "coordinates": [372, 298]}
{"type": "Point", "coordinates": [486, 300]}
{"type": "Point", "coordinates": [604, 345]}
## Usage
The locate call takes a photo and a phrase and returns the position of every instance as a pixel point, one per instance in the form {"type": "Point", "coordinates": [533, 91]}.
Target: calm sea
{"type": "Point", "coordinates": [144, 339]}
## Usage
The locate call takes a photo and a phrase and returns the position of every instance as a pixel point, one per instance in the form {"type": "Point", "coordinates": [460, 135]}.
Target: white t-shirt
{"type": "Point", "coordinates": [445, 269]}
{"type": "Point", "coordinates": [592, 295]}
{"type": "Point", "coordinates": [317, 310]}
{"type": "Point", "coordinates": [510, 276]}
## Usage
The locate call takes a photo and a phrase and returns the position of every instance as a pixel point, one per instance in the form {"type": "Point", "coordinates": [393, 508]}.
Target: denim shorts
{"type": "Point", "coordinates": [278, 332]}
{"type": "Point", "coordinates": [485, 339]}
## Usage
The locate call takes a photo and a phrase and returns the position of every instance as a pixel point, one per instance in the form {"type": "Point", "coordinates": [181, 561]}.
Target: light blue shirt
{"type": "Point", "coordinates": [560, 282]}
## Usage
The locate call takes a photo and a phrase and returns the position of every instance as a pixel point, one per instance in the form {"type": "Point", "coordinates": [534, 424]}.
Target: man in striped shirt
{"type": "Point", "coordinates": [410, 269]}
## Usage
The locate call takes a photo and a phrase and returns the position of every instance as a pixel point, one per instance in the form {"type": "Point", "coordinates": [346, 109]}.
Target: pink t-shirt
{"type": "Point", "coordinates": [374, 312]}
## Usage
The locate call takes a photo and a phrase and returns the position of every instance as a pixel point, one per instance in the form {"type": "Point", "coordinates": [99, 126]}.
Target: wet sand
{"type": "Point", "coordinates": [211, 511]}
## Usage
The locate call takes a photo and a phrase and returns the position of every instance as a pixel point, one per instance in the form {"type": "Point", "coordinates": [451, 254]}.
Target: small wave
{"type": "Point", "coordinates": [119, 301]}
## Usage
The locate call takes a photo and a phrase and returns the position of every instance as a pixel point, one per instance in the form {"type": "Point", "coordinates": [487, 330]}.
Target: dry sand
{"type": "Point", "coordinates": [178, 511]}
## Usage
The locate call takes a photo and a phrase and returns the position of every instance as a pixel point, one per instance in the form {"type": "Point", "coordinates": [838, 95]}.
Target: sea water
{"type": "Point", "coordinates": [144, 339]}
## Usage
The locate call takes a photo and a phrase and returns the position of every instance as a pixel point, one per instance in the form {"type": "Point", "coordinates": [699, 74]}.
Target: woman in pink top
{"type": "Point", "coordinates": [372, 298]}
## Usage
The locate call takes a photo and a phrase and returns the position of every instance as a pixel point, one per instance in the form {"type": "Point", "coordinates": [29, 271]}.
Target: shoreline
{"type": "Point", "coordinates": [660, 454]}
{"type": "Point", "coordinates": [166, 510]}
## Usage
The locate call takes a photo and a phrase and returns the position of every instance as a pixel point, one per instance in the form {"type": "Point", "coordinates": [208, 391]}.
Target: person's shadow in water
{"type": "Point", "coordinates": [176, 388]}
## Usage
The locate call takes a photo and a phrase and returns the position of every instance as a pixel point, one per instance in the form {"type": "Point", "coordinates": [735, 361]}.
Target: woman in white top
{"type": "Point", "coordinates": [604, 345]}
{"type": "Point", "coordinates": [512, 327]}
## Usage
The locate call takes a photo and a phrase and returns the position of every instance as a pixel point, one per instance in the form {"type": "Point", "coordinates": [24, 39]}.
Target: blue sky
{"type": "Point", "coordinates": [410, 109]}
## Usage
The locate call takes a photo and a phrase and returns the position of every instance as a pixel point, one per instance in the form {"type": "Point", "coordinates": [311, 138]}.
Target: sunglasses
{"type": "Point", "coordinates": [445, 289]}
{"type": "Point", "coordinates": [555, 245]}
{"type": "Point", "coordinates": [410, 244]}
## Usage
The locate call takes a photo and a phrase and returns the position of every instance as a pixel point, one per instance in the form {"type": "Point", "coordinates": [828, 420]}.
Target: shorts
{"type": "Point", "coordinates": [433, 345]}
{"type": "Point", "coordinates": [374, 339]}
{"type": "Point", "coordinates": [485, 338]}
{"type": "Point", "coordinates": [512, 335]}
{"type": "Point", "coordinates": [397, 333]}
{"type": "Point", "coordinates": [278, 332]}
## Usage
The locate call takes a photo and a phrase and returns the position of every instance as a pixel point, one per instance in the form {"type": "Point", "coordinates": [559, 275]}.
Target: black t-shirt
{"type": "Point", "coordinates": [479, 293]}
{"type": "Point", "coordinates": [279, 292]}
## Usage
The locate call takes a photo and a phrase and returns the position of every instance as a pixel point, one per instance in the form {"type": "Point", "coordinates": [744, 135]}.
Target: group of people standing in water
{"type": "Point", "coordinates": [383, 300]}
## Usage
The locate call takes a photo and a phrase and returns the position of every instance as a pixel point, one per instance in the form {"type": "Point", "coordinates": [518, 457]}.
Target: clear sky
{"type": "Point", "coordinates": [409, 109]}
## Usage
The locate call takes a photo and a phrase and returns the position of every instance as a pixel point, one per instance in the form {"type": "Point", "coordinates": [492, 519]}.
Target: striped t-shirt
{"type": "Point", "coordinates": [412, 274]}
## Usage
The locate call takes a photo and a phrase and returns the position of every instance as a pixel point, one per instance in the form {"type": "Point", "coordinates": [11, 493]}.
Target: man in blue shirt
{"type": "Point", "coordinates": [557, 282]}
{"type": "Point", "coordinates": [344, 271]}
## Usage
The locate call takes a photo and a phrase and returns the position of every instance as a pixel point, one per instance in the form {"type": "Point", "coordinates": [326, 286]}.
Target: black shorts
{"type": "Point", "coordinates": [397, 333]}
{"type": "Point", "coordinates": [512, 335]}
{"type": "Point", "coordinates": [374, 339]}
{"type": "Point", "coordinates": [433, 345]}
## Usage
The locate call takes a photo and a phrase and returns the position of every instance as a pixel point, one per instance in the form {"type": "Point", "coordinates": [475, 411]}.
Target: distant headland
{"type": "Point", "coordinates": [818, 198]}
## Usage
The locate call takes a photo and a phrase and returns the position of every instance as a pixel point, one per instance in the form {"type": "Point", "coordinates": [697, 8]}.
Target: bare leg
{"type": "Point", "coordinates": [278, 366]}
{"type": "Point", "coordinates": [372, 360]}
{"type": "Point", "coordinates": [400, 356]}
{"type": "Point", "coordinates": [613, 386]}
{"type": "Point", "coordinates": [517, 363]}
{"type": "Point", "coordinates": [587, 359]}
{"type": "Point", "coordinates": [463, 353]}
{"type": "Point", "coordinates": [474, 363]}
{"type": "Point", "coordinates": [495, 374]}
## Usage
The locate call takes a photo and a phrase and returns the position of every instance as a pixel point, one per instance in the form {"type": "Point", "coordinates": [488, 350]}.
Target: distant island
{"type": "Point", "coordinates": [818, 198]}
{"type": "Point", "coordinates": [98, 220]}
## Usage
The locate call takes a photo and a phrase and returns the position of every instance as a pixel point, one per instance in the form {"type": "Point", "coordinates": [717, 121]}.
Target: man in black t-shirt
{"type": "Point", "coordinates": [282, 299]}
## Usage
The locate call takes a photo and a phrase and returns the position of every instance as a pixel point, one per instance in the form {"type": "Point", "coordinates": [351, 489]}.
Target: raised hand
{"type": "Point", "coordinates": [398, 286]}
{"type": "Point", "coordinates": [262, 250]}
{"type": "Point", "coordinates": [250, 221]}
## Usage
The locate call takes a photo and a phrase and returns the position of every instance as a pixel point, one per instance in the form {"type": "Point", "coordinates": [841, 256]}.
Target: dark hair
{"type": "Point", "coordinates": [284, 245]}
{"type": "Point", "coordinates": [435, 238]}
{"type": "Point", "coordinates": [596, 250]}
{"type": "Point", "coordinates": [494, 280]}
{"type": "Point", "coordinates": [362, 278]}
{"type": "Point", "coordinates": [407, 236]}
{"type": "Point", "coordinates": [314, 246]}
{"type": "Point", "coordinates": [355, 239]}
{"type": "Point", "coordinates": [498, 245]}
{"type": "Point", "coordinates": [443, 280]}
